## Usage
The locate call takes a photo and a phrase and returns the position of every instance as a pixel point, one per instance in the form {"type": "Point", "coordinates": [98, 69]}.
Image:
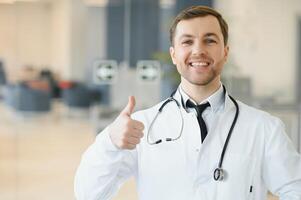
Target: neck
{"type": "Point", "coordinates": [199, 93]}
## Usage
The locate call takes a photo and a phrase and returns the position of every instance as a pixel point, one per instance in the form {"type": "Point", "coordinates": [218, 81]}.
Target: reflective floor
{"type": "Point", "coordinates": [39, 154]}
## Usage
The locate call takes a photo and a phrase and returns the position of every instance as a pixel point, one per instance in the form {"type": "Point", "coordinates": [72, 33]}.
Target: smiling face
{"type": "Point", "coordinates": [198, 51]}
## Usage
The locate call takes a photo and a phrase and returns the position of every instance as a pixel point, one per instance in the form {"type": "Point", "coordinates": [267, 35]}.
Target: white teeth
{"type": "Point", "coordinates": [199, 64]}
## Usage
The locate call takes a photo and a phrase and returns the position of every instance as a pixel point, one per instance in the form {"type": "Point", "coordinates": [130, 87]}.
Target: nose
{"type": "Point", "coordinates": [199, 49]}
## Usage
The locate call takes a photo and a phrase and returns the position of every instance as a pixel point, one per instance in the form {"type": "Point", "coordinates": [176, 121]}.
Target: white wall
{"type": "Point", "coordinates": [58, 34]}
{"type": "Point", "coordinates": [7, 35]}
{"type": "Point", "coordinates": [96, 33]}
{"type": "Point", "coordinates": [33, 33]}
{"type": "Point", "coordinates": [61, 38]}
{"type": "Point", "coordinates": [24, 36]}
{"type": "Point", "coordinates": [78, 37]}
{"type": "Point", "coordinates": [263, 43]}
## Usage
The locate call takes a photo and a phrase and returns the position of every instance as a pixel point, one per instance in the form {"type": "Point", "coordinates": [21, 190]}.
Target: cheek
{"type": "Point", "coordinates": [219, 56]}
{"type": "Point", "coordinates": [181, 55]}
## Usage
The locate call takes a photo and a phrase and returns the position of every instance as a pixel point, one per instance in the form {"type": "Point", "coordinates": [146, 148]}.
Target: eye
{"type": "Point", "coordinates": [210, 41]}
{"type": "Point", "coordinates": [186, 42]}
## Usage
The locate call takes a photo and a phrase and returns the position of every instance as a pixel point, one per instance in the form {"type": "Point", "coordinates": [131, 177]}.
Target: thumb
{"type": "Point", "coordinates": [128, 110]}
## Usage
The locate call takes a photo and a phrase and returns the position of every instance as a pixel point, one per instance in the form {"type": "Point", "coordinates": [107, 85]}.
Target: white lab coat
{"type": "Point", "coordinates": [259, 155]}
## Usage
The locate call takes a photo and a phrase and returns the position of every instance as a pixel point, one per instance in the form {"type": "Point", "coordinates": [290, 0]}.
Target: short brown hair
{"type": "Point", "coordinates": [198, 11]}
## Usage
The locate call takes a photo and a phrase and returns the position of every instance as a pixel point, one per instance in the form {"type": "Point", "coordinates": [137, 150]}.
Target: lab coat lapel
{"type": "Point", "coordinates": [221, 125]}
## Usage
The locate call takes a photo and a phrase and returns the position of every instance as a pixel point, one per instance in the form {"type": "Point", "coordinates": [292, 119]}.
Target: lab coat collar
{"type": "Point", "coordinates": [216, 100]}
{"type": "Point", "coordinates": [224, 110]}
{"type": "Point", "coordinates": [225, 102]}
{"type": "Point", "coordinates": [229, 105]}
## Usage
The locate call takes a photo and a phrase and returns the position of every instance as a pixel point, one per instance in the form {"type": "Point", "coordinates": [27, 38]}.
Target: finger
{"type": "Point", "coordinates": [133, 140]}
{"type": "Point", "coordinates": [137, 125]}
{"type": "Point", "coordinates": [136, 133]}
{"type": "Point", "coordinates": [131, 146]}
{"type": "Point", "coordinates": [128, 110]}
{"type": "Point", "coordinates": [128, 146]}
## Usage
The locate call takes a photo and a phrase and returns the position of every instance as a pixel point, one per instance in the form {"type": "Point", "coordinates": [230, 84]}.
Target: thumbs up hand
{"type": "Point", "coordinates": [125, 132]}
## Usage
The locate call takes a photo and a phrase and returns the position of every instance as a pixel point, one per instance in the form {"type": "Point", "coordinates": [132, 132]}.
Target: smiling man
{"type": "Point", "coordinates": [199, 144]}
{"type": "Point", "coordinates": [199, 51]}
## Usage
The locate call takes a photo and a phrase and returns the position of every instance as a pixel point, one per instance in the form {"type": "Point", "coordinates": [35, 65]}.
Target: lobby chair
{"type": "Point", "coordinates": [23, 98]}
{"type": "Point", "coordinates": [77, 96]}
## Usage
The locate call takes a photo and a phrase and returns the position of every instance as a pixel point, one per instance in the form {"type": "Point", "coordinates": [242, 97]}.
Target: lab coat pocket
{"type": "Point", "coordinates": [239, 172]}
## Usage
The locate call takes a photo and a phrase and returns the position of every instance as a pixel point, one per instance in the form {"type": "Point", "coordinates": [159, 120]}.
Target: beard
{"type": "Point", "coordinates": [200, 79]}
{"type": "Point", "coordinates": [205, 78]}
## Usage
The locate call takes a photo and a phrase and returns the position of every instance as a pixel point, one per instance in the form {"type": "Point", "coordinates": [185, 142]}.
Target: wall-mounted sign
{"type": "Point", "coordinates": [105, 71]}
{"type": "Point", "coordinates": [148, 70]}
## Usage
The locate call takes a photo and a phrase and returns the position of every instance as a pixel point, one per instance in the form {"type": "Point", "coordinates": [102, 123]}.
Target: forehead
{"type": "Point", "coordinates": [198, 26]}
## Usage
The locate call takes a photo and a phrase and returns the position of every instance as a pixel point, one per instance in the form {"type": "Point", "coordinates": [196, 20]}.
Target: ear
{"type": "Point", "coordinates": [226, 52]}
{"type": "Point", "coordinates": [172, 55]}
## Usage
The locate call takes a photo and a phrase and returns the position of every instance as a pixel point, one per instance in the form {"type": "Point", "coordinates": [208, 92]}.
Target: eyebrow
{"type": "Point", "coordinates": [206, 35]}
{"type": "Point", "coordinates": [211, 34]}
{"type": "Point", "coordinates": [186, 36]}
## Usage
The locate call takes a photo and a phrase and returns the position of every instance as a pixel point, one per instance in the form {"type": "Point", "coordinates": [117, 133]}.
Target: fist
{"type": "Point", "coordinates": [126, 132]}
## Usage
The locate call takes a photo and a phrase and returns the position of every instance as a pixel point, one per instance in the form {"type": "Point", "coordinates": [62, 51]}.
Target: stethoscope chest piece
{"type": "Point", "coordinates": [219, 174]}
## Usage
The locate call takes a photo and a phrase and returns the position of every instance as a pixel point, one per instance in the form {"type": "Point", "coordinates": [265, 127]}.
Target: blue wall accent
{"type": "Point", "coordinates": [182, 4]}
{"type": "Point", "coordinates": [144, 30]}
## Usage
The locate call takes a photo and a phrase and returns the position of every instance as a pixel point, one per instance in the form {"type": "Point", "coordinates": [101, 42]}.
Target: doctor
{"type": "Point", "coordinates": [178, 156]}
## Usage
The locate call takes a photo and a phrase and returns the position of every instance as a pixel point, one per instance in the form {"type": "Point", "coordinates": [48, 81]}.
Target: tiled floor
{"type": "Point", "coordinates": [39, 155]}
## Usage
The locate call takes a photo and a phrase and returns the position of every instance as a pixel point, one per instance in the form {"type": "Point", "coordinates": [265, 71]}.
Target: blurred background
{"type": "Point", "coordinates": [68, 66]}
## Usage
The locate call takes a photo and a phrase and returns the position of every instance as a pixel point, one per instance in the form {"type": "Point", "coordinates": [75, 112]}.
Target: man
{"type": "Point", "coordinates": [178, 156]}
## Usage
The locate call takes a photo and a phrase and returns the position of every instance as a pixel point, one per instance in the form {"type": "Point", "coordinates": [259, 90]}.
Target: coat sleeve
{"type": "Point", "coordinates": [282, 163]}
{"type": "Point", "coordinates": [103, 169]}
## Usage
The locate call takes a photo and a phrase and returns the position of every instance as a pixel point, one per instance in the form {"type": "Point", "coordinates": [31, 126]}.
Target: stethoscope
{"type": "Point", "coordinates": [219, 172]}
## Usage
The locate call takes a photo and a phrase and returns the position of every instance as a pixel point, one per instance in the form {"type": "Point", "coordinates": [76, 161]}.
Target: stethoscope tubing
{"type": "Point", "coordinates": [219, 173]}
{"type": "Point", "coordinates": [230, 132]}
{"type": "Point", "coordinates": [170, 99]}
